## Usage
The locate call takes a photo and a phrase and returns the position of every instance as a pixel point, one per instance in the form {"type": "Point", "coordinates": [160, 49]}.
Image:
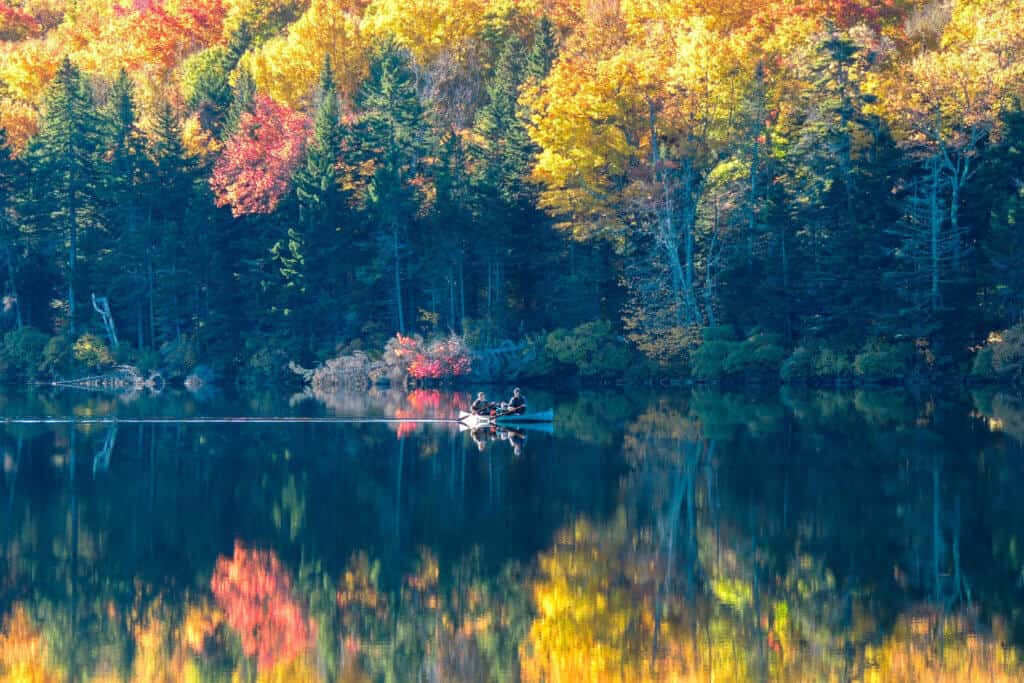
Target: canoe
{"type": "Point", "coordinates": [545, 416]}
{"type": "Point", "coordinates": [473, 420]}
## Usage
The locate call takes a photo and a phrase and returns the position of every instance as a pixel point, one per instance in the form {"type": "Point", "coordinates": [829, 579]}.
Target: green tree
{"type": "Point", "coordinates": [395, 139]}
{"type": "Point", "coordinates": [64, 159]}
{"type": "Point", "coordinates": [13, 180]}
{"type": "Point", "coordinates": [310, 256]}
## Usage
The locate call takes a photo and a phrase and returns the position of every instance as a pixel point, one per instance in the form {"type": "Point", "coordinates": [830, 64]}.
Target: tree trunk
{"type": "Point", "coordinates": [150, 296]}
{"type": "Point", "coordinates": [13, 287]}
{"type": "Point", "coordinates": [72, 257]}
{"type": "Point", "coordinates": [935, 221]}
{"type": "Point", "coordinates": [398, 283]}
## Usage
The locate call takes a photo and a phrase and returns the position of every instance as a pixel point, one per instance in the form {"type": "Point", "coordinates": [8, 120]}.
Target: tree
{"type": "Point", "coordinates": [13, 180]}
{"type": "Point", "coordinates": [64, 162]}
{"type": "Point", "coordinates": [394, 138]}
{"type": "Point", "coordinates": [310, 257]}
{"type": "Point", "coordinates": [126, 195]}
{"type": "Point", "coordinates": [255, 169]}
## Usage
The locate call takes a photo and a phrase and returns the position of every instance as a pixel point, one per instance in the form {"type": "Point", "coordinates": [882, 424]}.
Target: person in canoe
{"type": "Point", "coordinates": [516, 404]}
{"type": "Point", "coordinates": [481, 406]}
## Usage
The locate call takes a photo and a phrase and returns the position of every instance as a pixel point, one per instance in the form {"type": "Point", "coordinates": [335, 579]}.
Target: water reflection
{"type": "Point", "coordinates": [812, 536]}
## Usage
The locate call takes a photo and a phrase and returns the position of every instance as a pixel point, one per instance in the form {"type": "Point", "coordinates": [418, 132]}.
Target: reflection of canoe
{"type": "Point", "coordinates": [472, 420]}
{"type": "Point", "coordinates": [546, 427]}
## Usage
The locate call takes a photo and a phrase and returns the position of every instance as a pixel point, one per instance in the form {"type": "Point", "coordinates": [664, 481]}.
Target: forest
{"type": "Point", "coordinates": [811, 190]}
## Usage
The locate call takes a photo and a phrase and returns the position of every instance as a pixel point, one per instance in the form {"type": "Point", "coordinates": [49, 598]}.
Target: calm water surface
{"type": "Point", "coordinates": [704, 536]}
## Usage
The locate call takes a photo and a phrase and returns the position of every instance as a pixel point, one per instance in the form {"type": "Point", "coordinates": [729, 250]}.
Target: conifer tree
{"type": "Point", "coordinates": [243, 99]}
{"type": "Point", "coordinates": [395, 138]}
{"type": "Point", "coordinates": [125, 195]}
{"type": "Point", "coordinates": [309, 256]}
{"type": "Point", "coordinates": [65, 164]}
{"type": "Point", "coordinates": [13, 178]}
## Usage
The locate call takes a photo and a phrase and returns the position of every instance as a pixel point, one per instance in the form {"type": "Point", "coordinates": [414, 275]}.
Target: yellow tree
{"type": "Point", "coordinates": [634, 116]}
{"type": "Point", "coordinates": [428, 28]}
{"type": "Point", "coordinates": [287, 67]}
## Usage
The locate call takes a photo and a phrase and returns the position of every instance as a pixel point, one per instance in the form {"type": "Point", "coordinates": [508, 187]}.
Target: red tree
{"type": "Point", "coordinates": [254, 592]}
{"type": "Point", "coordinates": [255, 168]}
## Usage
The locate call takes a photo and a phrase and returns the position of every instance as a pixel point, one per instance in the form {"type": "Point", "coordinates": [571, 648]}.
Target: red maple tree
{"type": "Point", "coordinates": [254, 591]}
{"type": "Point", "coordinates": [255, 168]}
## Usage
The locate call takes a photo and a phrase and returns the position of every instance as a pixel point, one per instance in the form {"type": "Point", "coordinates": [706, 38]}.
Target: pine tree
{"type": "Point", "coordinates": [395, 139]}
{"type": "Point", "coordinates": [172, 270]}
{"type": "Point", "coordinates": [65, 164]}
{"type": "Point", "coordinates": [309, 257]}
{"type": "Point", "coordinates": [543, 51]}
{"type": "Point", "coordinates": [243, 99]}
{"type": "Point", "coordinates": [124, 193]}
{"type": "Point", "coordinates": [13, 179]}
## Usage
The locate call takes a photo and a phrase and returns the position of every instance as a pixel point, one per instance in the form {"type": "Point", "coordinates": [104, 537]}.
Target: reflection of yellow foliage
{"type": "Point", "coordinates": [200, 623]}
{"type": "Point", "coordinates": [298, 669]}
{"type": "Point", "coordinates": [596, 614]}
{"type": "Point", "coordinates": [22, 652]}
{"type": "Point", "coordinates": [929, 646]}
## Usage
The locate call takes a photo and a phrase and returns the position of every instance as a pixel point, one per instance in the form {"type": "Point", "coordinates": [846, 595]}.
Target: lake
{"type": "Point", "coordinates": [651, 536]}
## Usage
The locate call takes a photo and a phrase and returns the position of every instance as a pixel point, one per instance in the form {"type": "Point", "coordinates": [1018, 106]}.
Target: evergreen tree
{"type": "Point", "coordinates": [395, 139]}
{"type": "Point", "coordinates": [310, 256]}
{"type": "Point", "coordinates": [125, 193]}
{"type": "Point", "coordinates": [13, 180]}
{"type": "Point", "coordinates": [543, 51]}
{"type": "Point", "coordinates": [172, 269]}
{"type": "Point", "coordinates": [64, 160]}
{"type": "Point", "coordinates": [243, 99]}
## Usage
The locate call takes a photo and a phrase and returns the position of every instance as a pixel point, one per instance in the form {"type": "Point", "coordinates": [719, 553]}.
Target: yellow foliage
{"type": "Point", "coordinates": [426, 27]}
{"type": "Point", "coordinates": [912, 653]}
{"type": "Point", "coordinates": [22, 651]}
{"type": "Point", "coordinates": [288, 67]}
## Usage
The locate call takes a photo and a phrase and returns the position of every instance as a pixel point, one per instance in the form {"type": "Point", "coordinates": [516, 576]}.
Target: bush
{"type": "Point", "coordinates": [57, 356]}
{"type": "Point", "coordinates": [759, 354]}
{"type": "Point", "coordinates": [592, 349]}
{"type": "Point", "coordinates": [812, 364]}
{"type": "Point", "coordinates": [22, 353]}
{"type": "Point", "coordinates": [266, 366]}
{"type": "Point", "coordinates": [92, 352]}
{"type": "Point", "coordinates": [708, 361]}
{"type": "Point", "coordinates": [885, 361]}
{"type": "Point", "coordinates": [1008, 352]}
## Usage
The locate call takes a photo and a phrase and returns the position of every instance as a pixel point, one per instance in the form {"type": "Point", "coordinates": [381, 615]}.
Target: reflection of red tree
{"type": "Point", "coordinates": [254, 591]}
{"type": "Point", "coordinates": [427, 403]}
{"type": "Point", "coordinates": [404, 429]}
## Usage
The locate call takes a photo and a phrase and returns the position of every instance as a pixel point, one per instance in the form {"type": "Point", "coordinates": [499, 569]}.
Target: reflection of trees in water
{"type": "Point", "coordinates": [747, 554]}
{"type": "Point", "coordinates": [864, 541]}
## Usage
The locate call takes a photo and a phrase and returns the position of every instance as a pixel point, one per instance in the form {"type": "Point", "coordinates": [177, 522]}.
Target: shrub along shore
{"type": "Point", "coordinates": [591, 353]}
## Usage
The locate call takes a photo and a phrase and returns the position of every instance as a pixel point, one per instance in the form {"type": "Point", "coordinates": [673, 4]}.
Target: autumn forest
{"type": "Point", "coordinates": [809, 190]}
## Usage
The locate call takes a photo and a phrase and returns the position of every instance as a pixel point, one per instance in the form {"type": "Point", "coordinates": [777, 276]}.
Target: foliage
{"type": "Point", "coordinates": [92, 352]}
{"type": "Point", "coordinates": [759, 355]}
{"type": "Point", "coordinates": [833, 170]}
{"type": "Point", "coordinates": [591, 349]}
{"type": "Point", "coordinates": [816, 363]}
{"type": "Point", "coordinates": [254, 591]}
{"type": "Point", "coordinates": [440, 359]}
{"type": "Point", "coordinates": [22, 353]}
{"type": "Point", "coordinates": [254, 171]}
{"type": "Point", "coordinates": [58, 356]}
{"type": "Point", "coordinates": [886, 361]}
